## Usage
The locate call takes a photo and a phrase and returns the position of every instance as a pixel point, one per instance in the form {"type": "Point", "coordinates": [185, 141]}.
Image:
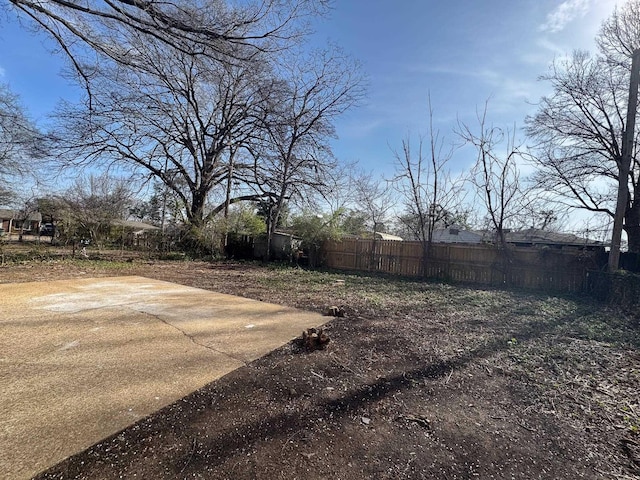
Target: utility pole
{"type": "Point", "coordinates": [625, 163]}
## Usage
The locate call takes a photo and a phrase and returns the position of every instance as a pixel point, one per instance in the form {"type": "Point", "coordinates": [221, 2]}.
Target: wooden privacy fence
{"type": "Point", "coordinates": [539, 268]}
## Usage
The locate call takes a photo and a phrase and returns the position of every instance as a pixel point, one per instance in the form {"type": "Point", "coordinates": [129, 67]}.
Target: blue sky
{"type": "Point", "coordinates": [464, 52]}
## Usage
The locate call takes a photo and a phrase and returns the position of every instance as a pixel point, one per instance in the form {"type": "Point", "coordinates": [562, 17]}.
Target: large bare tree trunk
{"type": "Point", "coordinates": [625, 165]}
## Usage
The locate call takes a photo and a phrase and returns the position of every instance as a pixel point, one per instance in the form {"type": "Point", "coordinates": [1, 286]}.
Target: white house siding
{"type": "Point", "coordinates": [452, 235]}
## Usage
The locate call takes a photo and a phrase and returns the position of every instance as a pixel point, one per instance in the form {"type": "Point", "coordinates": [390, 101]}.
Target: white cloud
{"type": "Point", "coordinates": [564, 14]}
{"type": "Point", "coordinates": [356, 128]}
{"type": "Point", "coordinates": [2, 72]}
{"type": "Point", "coordinates": [500, 79]}
{"type": "Point", "coordinates": [549, 49]}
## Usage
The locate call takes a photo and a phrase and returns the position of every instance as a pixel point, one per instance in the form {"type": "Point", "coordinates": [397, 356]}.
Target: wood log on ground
{"type": "Point", "coordinates": [336, 312]}
{"type": "Point", "coordinates": [314, 339]}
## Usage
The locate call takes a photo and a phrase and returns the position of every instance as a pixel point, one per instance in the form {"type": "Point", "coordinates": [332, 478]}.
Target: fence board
{"type": "Point", "coordinates": [542, 268]}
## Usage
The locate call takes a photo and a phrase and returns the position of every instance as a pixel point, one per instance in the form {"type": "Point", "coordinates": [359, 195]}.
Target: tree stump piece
{"type": "Point", "coordinates": [314, 339]}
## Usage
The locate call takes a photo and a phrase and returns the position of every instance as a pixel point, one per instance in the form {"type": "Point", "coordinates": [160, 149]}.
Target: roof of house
{"type": "Point", "coordinates": [386, 236]}
{"type": "Point", "coordinates": [7, 214]}
{"type": "Point", "coordinates": [138, 226]}
{"type": "Point", "coordinates": [534, 236]}
{"type": "Point", "coordinates": [455, 235]}
{"type": "Point", "coordinates": [530, 237]}
{"type": "Point", "coordinates": [34, 217]}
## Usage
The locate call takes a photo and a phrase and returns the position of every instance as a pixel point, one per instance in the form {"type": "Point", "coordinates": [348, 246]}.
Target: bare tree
{"type": "Point", "coordinates": [619, 35]}
{"type": "Point", "coordinates": [176, 117]}
{"type": "Point", "coordinates": [539, 215]}
{"type": "Point", "coordinates": [294, 158]}
{"type": "Point", "coordinates": [579, 129]}
{"type": "Point", "coordinates": [578, 134]}
{"type": "Point", "coordinates": [336, 194]}
{"type": "Point", "coordinates": [429, 192]}
{"type": "Point", "coordinates": [19, 143]}
{"type": "Point", "coordinates": [374, 198]}
{"type": "Point", "coordinates": [495, 176]}
{"type": "Point", "coordinates": [214, 27]}
{"type": "Point", "coordinates": [90, 206]}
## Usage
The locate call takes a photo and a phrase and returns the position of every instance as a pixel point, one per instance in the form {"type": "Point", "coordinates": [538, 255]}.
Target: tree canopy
{"type": "Point", "coordinates": [578, 128]}
{"type": "Point", "coordinates": [214, 27]}
{"type": "Point", "coordinates": [252, 124]}
{"type": "Point", "coordinates": [20, 143]}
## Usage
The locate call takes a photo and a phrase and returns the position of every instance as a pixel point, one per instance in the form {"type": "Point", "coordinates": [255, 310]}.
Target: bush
{"type": "Point", "coordinates": [620, 288]}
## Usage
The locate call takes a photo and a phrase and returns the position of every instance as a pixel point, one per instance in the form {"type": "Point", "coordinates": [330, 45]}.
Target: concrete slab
{"type": "Point", "coordinates": [82, 359]}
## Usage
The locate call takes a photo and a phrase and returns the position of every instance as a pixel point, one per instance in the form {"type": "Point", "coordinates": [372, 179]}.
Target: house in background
{"type": "Point", "coordinates": [6, 220]}
{"type": "Point", "coordinates": [387, 236]}
{"type": "Point", "coordinates": [456, 234]}
{"type": "Point", "coordinates": [529, 238]}
{"type": "Point", "coordinates": [536, 238]}
{"type": "Point", "coordinates": [13, 222]}
{"type": "Point", "coordinates": [134, 233]}
{"type": "Point", "coordinates": [31, 224]}
{"type": "Point", "coordinates": [283, 246]}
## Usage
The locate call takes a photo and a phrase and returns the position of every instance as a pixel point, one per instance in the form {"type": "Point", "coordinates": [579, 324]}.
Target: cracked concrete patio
{"type": "Point", "coordinates": [82, 359]}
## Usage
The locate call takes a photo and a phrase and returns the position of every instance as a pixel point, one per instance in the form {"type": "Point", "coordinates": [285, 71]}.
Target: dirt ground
{"type": "Point", "coordinates": [419, 380]}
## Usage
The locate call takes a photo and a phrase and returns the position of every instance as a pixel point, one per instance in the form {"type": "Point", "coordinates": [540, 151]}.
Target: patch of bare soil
{"type": "Point", "coordinates": [419, 380]}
